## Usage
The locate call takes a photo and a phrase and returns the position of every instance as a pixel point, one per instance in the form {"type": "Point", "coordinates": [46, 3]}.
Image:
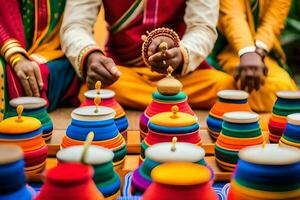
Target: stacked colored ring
{"type": "Point", "coordinates": [239, 130]}
{"type": "Point", "coordinates": [105, 177]}
{"type": "Point", "coordinates": [163, 153]}
{"type": "Point", "coordinates": [69, 181]}
{"type": "Point", "coordinates": [163, 126]}
{"type": "Point", "coordinates": [288, 102]}
{"type": "Point", "coordinates": [33, 107]}
{"type": "Point", "coordinates": [12, 177]}
{"type": "Point", "coordinates": [26, 132]}
{"type": "Point", "coordinates": [108, 100]}
{"type": "Point", "coordinates": [101, 122]}
{"type": "Point", "coordinates": [181, 180]}
{"type": "Point", "coordinates": [266, 172]}
{"type": "Point", "coordinates": [229, 101]}
{"type": "Point", "coordinates": [163, 103]}
{"type": "Point", "coordinates": [291, 135]}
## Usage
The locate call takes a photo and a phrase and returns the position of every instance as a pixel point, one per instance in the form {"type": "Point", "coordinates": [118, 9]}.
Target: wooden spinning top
{"type": "Point", "coordinates": [169, 85]}
{"type": "Point", "coordinates": [97, 102]}
{"type": "Point", "coordinates": [98, 87]}
{"type": "Point", "coordinates": [86, 146]}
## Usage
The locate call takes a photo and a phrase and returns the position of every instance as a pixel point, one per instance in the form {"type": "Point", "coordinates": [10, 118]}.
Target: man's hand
{"type": "Point", "coordinates": [30, 76]}
{"type": "Point", "coordinates": [101, 68]}
{"type": "Point", "coordinates": [251, 71]}
{"type": "Point", "coordinates": [161, 61]}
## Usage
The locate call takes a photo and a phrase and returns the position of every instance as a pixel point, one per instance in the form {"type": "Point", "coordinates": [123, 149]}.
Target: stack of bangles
{"type": "Point", "coordinates": [13, 52]}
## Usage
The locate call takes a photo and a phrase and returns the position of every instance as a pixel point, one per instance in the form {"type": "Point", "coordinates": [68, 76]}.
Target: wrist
{"type": "Point", "coordinates": [15, 59]}
{"type": "Point", "coordinates": [184, 60]}
{"type": "Point", "coordinates": [261, 52]}
{"type": "Point", "coordinates": [83, 58]}
{"type": "Point", "coordinates": [13, 52]}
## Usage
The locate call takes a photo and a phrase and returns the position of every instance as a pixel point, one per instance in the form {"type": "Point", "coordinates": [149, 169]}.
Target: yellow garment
{"type": "Point", "coordinates": [50, 48]}
{"type": "Point", "coordinates": [237, 25]}
{"type": "Point", "coordinates": [135, 87]}
{"type": "Point", "coordinates": [277, 79]}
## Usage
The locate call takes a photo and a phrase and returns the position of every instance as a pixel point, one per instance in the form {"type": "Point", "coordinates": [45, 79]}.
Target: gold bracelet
{"type": "Point", "coordinates": [10, 52]}
{"type": "Point", "coordinates": [8, 42]}
{"type": "Point", "coordinates": [185, 57]}
{"type": "Point", "coordinates": [86, 51]}
{"type": "Point", "coordinates": [15, 59]}
{"type": "Point", "coordinates": [166, 32]}
{"type": "Point", "coordinates": [9, 46]}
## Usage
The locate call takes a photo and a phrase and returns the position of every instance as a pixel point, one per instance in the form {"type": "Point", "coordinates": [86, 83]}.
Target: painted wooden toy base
{"type": "Point", "coordinates": [61, 119]}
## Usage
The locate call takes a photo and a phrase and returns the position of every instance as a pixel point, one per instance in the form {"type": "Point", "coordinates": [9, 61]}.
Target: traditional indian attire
{"type": "Point", "coordinates": [193, 20]}
{"type": "Point", "coordinates": [245, 25]}
{"type": "Point", "coordinates": [35, 24]}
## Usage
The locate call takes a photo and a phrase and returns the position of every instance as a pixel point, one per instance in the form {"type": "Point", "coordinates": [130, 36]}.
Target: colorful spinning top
{"type": "Point", "coordinates": [26, 132]}
{"type": "Point", "coordinates": [181, 180]}
{"type": "Point", "coordinates": [108, 100]}
{"type": "Point", "coordinates": [169, 94]}
{"type": "Point", "coordinates": [239, 130]}
{"type": "Point", "coordinates": [162, 153]}
{"type": "Point", "coordinates": [33, 107]}
{"type": "Point", "coordinates": [100, 120]}
{"type": "Point", "coordinates": [69, 181]}
{"type": "Point", "coordinates": [12, 178]}
{"type": "Point", "coordinates": [288, 102]}
{"type": "Point", "coordinates": [105, 177]}
{"type": "Point", "coordinates": [291, 135]}
{"type": "Point", "coordinates": [164, 126]}
{"type": "Point", "coordinates": [267, 172]}
{"type": "Point", "coordinates": [229, 101]}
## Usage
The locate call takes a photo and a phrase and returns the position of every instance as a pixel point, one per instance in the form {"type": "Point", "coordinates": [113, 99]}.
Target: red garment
{"type": "Point", "coordinates": [11, 26]}
{"type": "Point", "coordinates": [126, 44]}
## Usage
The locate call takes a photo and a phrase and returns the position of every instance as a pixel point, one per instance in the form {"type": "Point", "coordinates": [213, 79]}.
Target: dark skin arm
{"type": "Point", "coordinates": [101, 68]}
{"type": "Point", "coordinates": [251, 72]}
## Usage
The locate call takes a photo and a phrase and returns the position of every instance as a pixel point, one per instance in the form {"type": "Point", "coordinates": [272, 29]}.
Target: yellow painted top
{"type": "Point", "coordinates": [180, 174]}
{"type": "Point", "coordinates": [20, 124]}
{"type": "Point", "coordinates": [173, 119]}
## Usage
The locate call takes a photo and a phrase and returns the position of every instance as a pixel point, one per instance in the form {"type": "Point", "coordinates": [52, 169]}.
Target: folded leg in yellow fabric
{"type": "Point", "coordinates": [277, 79]}
{"type": "Point", "coordinates": [136, 85]}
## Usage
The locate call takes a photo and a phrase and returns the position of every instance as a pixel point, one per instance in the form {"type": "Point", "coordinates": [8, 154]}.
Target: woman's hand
{"type": "Point", "coordinates": [30, 76]}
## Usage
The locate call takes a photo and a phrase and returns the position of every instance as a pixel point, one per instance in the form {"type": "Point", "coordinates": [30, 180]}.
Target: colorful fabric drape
{"type": "Point", "coordinates": [35, 24]}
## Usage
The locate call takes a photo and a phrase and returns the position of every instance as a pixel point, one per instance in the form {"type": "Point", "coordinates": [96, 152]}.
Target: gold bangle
{"type": "Point", "coordinates": [166, 32]}
{"type": "Point", "coordinates": [10, 52]}
{"type": "Point", "coordinates": [86, 51]}
{"type": "Point", "coordinates": [11, 45]}
{"type": "Point", "coordinates": [15, 61]}
{"type": "Point", "coordinates": [8, 43]}
{"type": "Point", "coordinates": [185, 58]}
